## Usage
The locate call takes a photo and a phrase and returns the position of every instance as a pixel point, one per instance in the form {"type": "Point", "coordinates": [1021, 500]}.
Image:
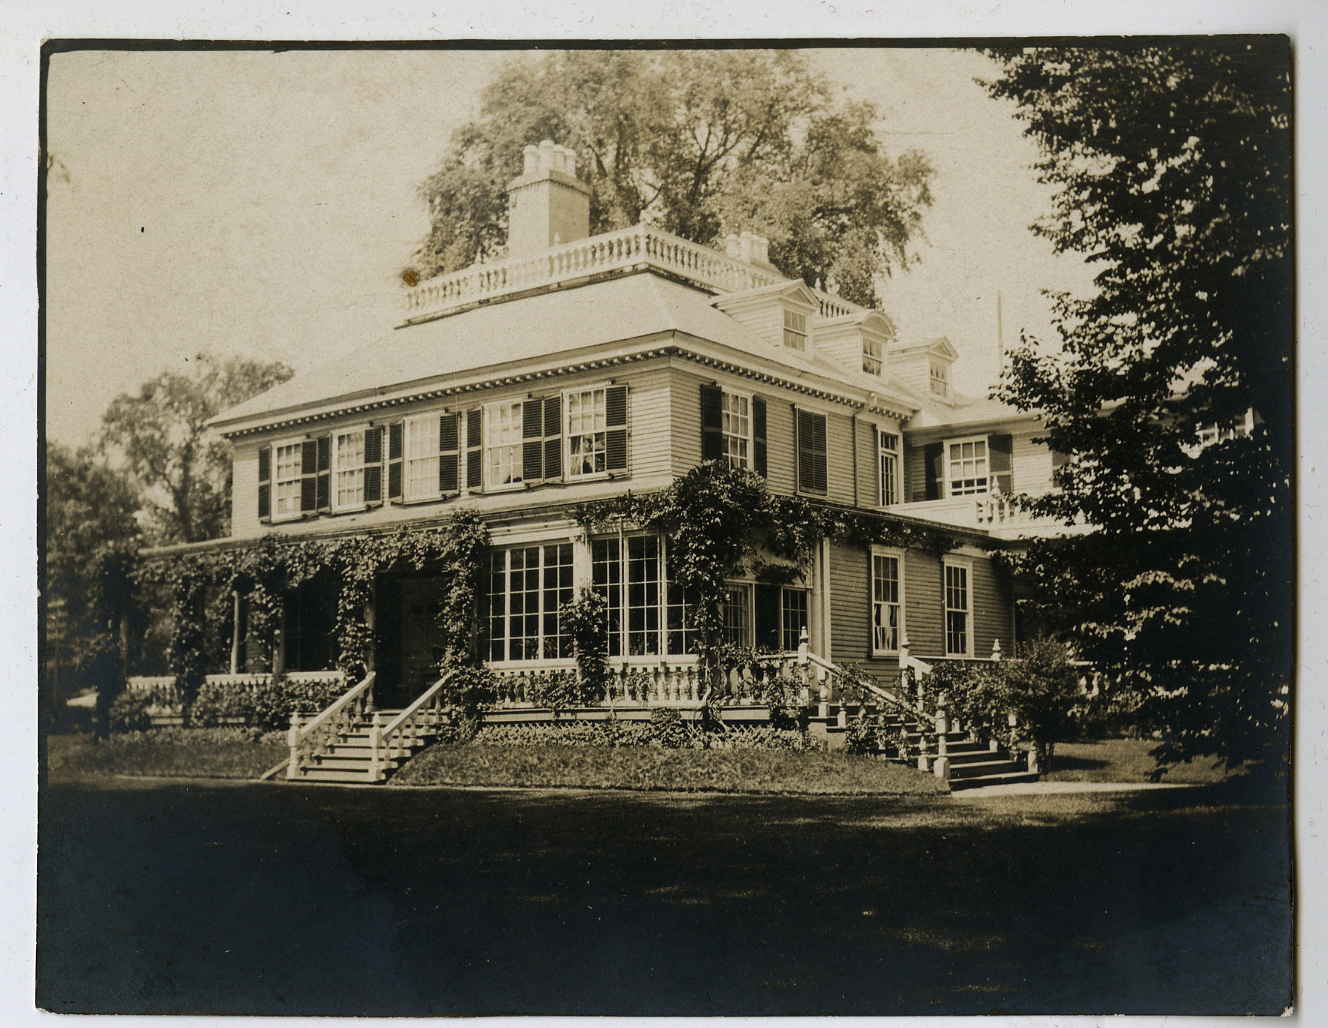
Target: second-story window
{"type": "Point", "coordinates": [502, 444]}
{"type": "Point", "coordinates": [286, 486]}
{"type": "Point", "coordinates": [422, 457]}
{"type": "Point", "coordinates": [349, 469]}
{"type": "Point", "coordinates": [966, 467]}
{"type": "Point", "coordinates": [795, 329]}
{"type": "Point", "coordinates": [737, 429]}
{"type": "Point", "coordinates": [587, 449]}
{"type": "Point", "coordinates": [889, 456]}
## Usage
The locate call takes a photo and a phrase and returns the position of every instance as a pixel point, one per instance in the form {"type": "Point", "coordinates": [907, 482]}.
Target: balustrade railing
{"type": "Point", "coordinates": [413, 726]}
{"type": "Point", "coordinates": [310, 740]}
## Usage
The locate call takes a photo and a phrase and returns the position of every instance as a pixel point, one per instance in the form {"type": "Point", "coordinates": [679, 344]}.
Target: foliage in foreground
{"type": "Point", "coordinates": [167, 752]}
{"type": "Point", "coordinates": [1171, 168]}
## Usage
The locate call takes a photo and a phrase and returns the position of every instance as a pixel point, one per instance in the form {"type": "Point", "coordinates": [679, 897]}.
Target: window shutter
{"type": "Point", "coordinates": [933, 457]}
{"type": "Point", "coordinates": [265, 483]}
{"type": "Point", "coordinates": [309, 476]}
{"type": "Point", "coordinates": [1000, 449]}
{"type": "Point", "coordinates": [532, 441]}
{"type": "Point", "coordinates": [553, 438]}
{"type": "Point", "coordinates": [758, 439]}
{"type": "Point", "coordinates": [712, 422]}
{"type": "Point", "coordinates": [373, 464]}
{"type": "Point", "coordinates": [474, 449]}
{"type": "Point", "coordinates": [615, 423]}
{"type": "Point", "coordinates": [812, 472]}
{"type": "Point", "coordinates": [1058, 459]}
{"type": "Point", "coordinates": [820, 459]}
{"type": "Point", "coordinates": [449, 453]}
{"type": "Point", "coordinates": [324, 491]}
{"type": "Point", "coordinates": [767, 616]}
{"type": "Point", "coordinates": [876, 460]}
{"type": "Point", "coordinates": [395, 445]}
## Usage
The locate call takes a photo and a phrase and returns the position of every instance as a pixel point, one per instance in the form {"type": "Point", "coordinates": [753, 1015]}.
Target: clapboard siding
{"type": "Point", "coordinates": [915, 474]}
{"type": "Point", "coordinates": [648, 423]}
{"type": "Point", "coordinates": [244, 491]}
{"type": "Point", "coordinates": [850, 603]}
{"type": "Point", "coordinates": [923, 603]}
{"type": "Point", "coordinates": [991, 609]}
{"type": "Point", "coordinates": [1031, 464]}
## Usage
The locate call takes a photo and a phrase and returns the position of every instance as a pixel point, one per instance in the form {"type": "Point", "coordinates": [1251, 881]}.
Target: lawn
{"type": "Point", "coordinates": [653, 768]}
{"type": "Point", "coordinates": [1124, 760]}
{"type": "Point", "coordinates": [169, 753]}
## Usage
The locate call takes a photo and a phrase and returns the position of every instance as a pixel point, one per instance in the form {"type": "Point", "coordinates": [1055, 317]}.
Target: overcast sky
{"type": "Point", "coordinates": [264, 204]}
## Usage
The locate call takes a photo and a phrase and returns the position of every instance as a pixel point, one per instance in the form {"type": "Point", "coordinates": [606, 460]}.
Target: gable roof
{"type": "Point", "coordinates": [940, 346]}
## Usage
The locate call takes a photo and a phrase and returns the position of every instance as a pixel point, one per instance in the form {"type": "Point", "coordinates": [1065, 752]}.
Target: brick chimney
{"type": "Point", "coordinates": [546, 204]}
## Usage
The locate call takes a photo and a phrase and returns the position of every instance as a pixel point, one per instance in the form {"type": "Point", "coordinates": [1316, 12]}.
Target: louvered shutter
{"type": "Point", "coordinates": [1000, 451]}
{"type": "Point", "coordinates": [553, 438]}
{"type": "Point", "coordinates": [820, 458]}
{"type": "Point", "coordinates": [474, 449]}
{"type": "Point", "coordinates": [1058, 459]}
{"type": "Point", "coordinates": [876, 459]}
{"type": "Point", "coordinates": [712, 422]}
{"type": "Point", "coordinates": [309, 476]}
{"type": "Point", "coordinates": [265, 483]}
{"type": "Point", "coordinates": [933, 457]}
{"type": "Point", "coordinates": [373, 465]}
{"type": "Point", "coordinates": [324, 490]}
{"type": "Point", "coordinates": [615, 423]}
{"type": "Point", "coordinates": [759, 457]}
{"type": "Point", "coordinates": [449, 453]}
{"type": "Point", "coordinates": [395, 447]}
{"type": "Point", "coordinates": [532, 441]}
{"type": "Point", "coordinates": [811, 452]}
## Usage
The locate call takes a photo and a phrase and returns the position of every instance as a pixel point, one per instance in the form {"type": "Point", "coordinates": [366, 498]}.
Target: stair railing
{"type": "Point", "coordinates": [397, 738]}
{"type": "Point", "coordinates": [336, 722]}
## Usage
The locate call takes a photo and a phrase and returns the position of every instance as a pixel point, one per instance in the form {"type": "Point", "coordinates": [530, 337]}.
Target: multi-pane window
{"type": "Point", "coordinates": [795, 329]}
{"type": "Point", "coordinates": [349, 469]}
{"type": "Point", "coordinates": [502, 443]}
{"type": "Point", "coordinates": [940, 378]}
{"type": "Point", "coordinates": [422, 457]}
{"type": "Point", "coordinates": [586, 438]}
{"type": "Point", "coordinates": [646, 614]}
{"type": "Point", "coordinates": [956, 610]}
{"type": "Point", "coordinates": [889, 454]}
{"type": "Point", "coordinates": [738, 615]}
{"type": "Point", "coordinates": [966, 467]}
{"type": "Point", "coordinates": [886, 605]}
{"type": "Point", "coordinates": [527, 586]}
{"type": "Point", "coordinates": [737, 430]}
{"type": "Point", "coordinates": [643, 595]}
{"type": "Point", "coordinates": [607, 580]}
{"type": "Point", "coordinates": [287, 482]}
{"type": "Point", "coordinates": [871, 355]}
{"type": "Point", "coordinates": [793, 616]}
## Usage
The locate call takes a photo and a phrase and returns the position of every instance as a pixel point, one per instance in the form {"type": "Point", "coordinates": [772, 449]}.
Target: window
{"type": "Point", "coordinates": [966, 467]}
{"type": "Point", "coordinates": [738, 615]}
{"type": "Point", "coordinates": [422, 456]}
{"type": "Point", "coordinates": [795, 329]}
{"type": "Point", "coordinates": [871, 355]}
{"type": "Point", "coordinates": [958, 637]}
{"type": "Point", "coordinates": [889, 457]}
{"type": "Point", "coordinates": [646, 614]}
{"type": "Point", "coordinates": [793, 616]}
{"type": "Point", "coordinates": [502, 443]}
{"type": "Point", "coordinates": [587, 451]}
{"type": "Point", "coordinates": [887, 600]}
{"type": "Point", "coordinates": [737, 429]}
{"type": "Point", "coordinates": [811, 452]}
{"type": "Point", "coordinates": [940, 379]}
{"type": "Point", "coordinates": [643, 595]}
{"type": "Point", "coordinates": [287, 483]}
{"type": "Point", "coordinates": [527, 586]}
{"type": "Point", "coordinates": [349, 469]}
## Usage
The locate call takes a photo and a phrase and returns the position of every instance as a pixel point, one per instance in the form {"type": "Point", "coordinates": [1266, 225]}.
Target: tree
{"type": "Point", "coordinates": [160, 436]}
{"type": "Point", "coordinates": [1172, 169]}
{"type": "Point", "coordinates": [699, 143]}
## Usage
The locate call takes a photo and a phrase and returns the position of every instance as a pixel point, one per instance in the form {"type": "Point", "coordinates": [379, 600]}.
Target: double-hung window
{"type": "Point", "coordinates": [871, 355]}
{"type": "Point", "coordinates": [958, 608]}
{"type": "Point", "coordinates": [286, 484]}
{"type": "Point", "coordinates": [587, 444]}
{"type": "Point", "coordinates": [940, 379]}
{"type": "Point", "coordinates": [502, 444]}
{"type": "Point", "coordinates": [793, 617]}
{"type": "Point", "coordinates": [887, 600]}
{"type": "Point", "coordinates": [348, 469]}
{"type": "Point", "coordinates": [738, 615]}
{"type": "Point", "coordinates": [527, 586]}
{"type": "Point", "coordinates": [737, 429]}
{"type": "Point", "coordinates": [422, 457]}
{"type": "Point", "coordinates": [966, 470]}
{"type": "Point", "coordinates": [795, 329]}
{"type": "Point", "coordinates": [888, 443]}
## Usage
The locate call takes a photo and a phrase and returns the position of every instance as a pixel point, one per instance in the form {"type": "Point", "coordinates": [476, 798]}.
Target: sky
{"type": "Point", "coordinates": [264, 205]}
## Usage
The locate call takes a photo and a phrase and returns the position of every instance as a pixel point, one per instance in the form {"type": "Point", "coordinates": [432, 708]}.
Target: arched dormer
{"type": "Point", "coordinates": [924, 367]}
{"type": "Point", "coordinates": [858, 341]}
{"type": "Point", "coordinates": [782, 314]}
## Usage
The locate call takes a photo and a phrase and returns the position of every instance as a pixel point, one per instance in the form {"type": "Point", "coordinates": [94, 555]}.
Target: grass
{"type": "Point", "coordinates": [651, 768]}
{"type": "Point", "coordinates": [1125, 760]}
{"type": "Point", "coordinates": [169, 753]}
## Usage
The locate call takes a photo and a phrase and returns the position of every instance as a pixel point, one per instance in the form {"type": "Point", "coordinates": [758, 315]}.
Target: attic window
{"type": "Point", "coordinates": [940, 378]}
{"type": "Point", "coordinates": [871, 355]}
{"type": "Point", "coordinates": [795, 329]}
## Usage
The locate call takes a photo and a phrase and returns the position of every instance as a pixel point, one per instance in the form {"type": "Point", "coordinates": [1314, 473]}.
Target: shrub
{"type": "Point", "coordinates": [1041, 687]}
{"type": "Point", "coordinates": [559, 690]}
{"type": "Point", "coordinates": [216, 701]}
{"type": "Point", "coordinates": [273, 702]}
{"type": "Point", "coordinates": [469, 691]}
{"type": "Point", "coordinates": [670, 732]}
{"type": "Point", "coordinates": [129, 713]}
{"type": "Point", "coordinates": [586, 620]}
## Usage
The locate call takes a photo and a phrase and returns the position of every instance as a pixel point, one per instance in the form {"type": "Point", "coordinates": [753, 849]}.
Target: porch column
{"type": "Point", "coordinates": [235, 631]}
{"type": "Point", "coordinates": [824, 599]}
{"type": "Point", "coordinates": [279, 643]}
{"type": "Point", "coordinates": [582, 571]}
{"type": "Point", "coordinates": [369, 624]}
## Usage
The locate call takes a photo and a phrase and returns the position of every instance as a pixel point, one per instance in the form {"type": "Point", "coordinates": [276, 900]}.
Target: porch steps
{"type": "Point", "coordinates": [972, 763]}
{"type": "Point", "coordinates": [349, 759]}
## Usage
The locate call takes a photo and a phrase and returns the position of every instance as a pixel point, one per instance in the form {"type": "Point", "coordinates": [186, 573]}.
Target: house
{"type": "Point", "coordinates": [579, 368]}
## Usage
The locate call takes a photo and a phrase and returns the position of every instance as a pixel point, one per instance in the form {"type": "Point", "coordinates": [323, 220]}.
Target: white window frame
{"type": "Point", "coordinates": [949, 480]}
{"type": "Point", "coordinates": [661, 606]}
{"type": "Point", "coordinates": [568, 473]}
{"type": "Point", "coordinates": [749, 618]}
{"type": "Point", "coordinates": [966, 565]}
{"type": "Point", "coordinates": [407, 435]}
{"type": "Point", "coordinates": [541, 593]}
{"type": "Point", "coordinates": [787, 330]}
{"type": "Point", "coordinates": [939, 372]}
{"type": "Point", "coordinates": [897, 556]}
{"type": "Point", "coordinates": [783, 613]}
{"type": "Point", "coordinates": [335, 471]}
{"type": "Point", "coordinates": [894, 480]}
{"type": "Point", "coordinates": [487, 429]}
{"type": "Point", "coordinates": [745, 463]}
{"type": "Point", "coordinates": [873, 354]}
{"type": "Point", "coordinates": [298, 446]}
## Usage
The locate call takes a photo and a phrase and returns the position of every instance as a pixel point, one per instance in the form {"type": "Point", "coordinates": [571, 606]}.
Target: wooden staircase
{"type": "Point", "coordinates": [350, 758]}
{"type": "Point", "coordinates": [972, 763]}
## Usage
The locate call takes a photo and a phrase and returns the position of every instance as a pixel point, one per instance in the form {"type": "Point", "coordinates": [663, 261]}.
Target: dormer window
{"type": "Point", "coordinates": [795, 329]}
{"type": "Point", "coordinates": [940, 379]}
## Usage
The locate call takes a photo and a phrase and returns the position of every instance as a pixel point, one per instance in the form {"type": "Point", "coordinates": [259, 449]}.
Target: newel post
{"type": "Point", "coordinates": [293, 741]}
{"type": "Point", "coordinates": [996, 650]}
{"type": "Point", "coordinates": [942, 767]}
